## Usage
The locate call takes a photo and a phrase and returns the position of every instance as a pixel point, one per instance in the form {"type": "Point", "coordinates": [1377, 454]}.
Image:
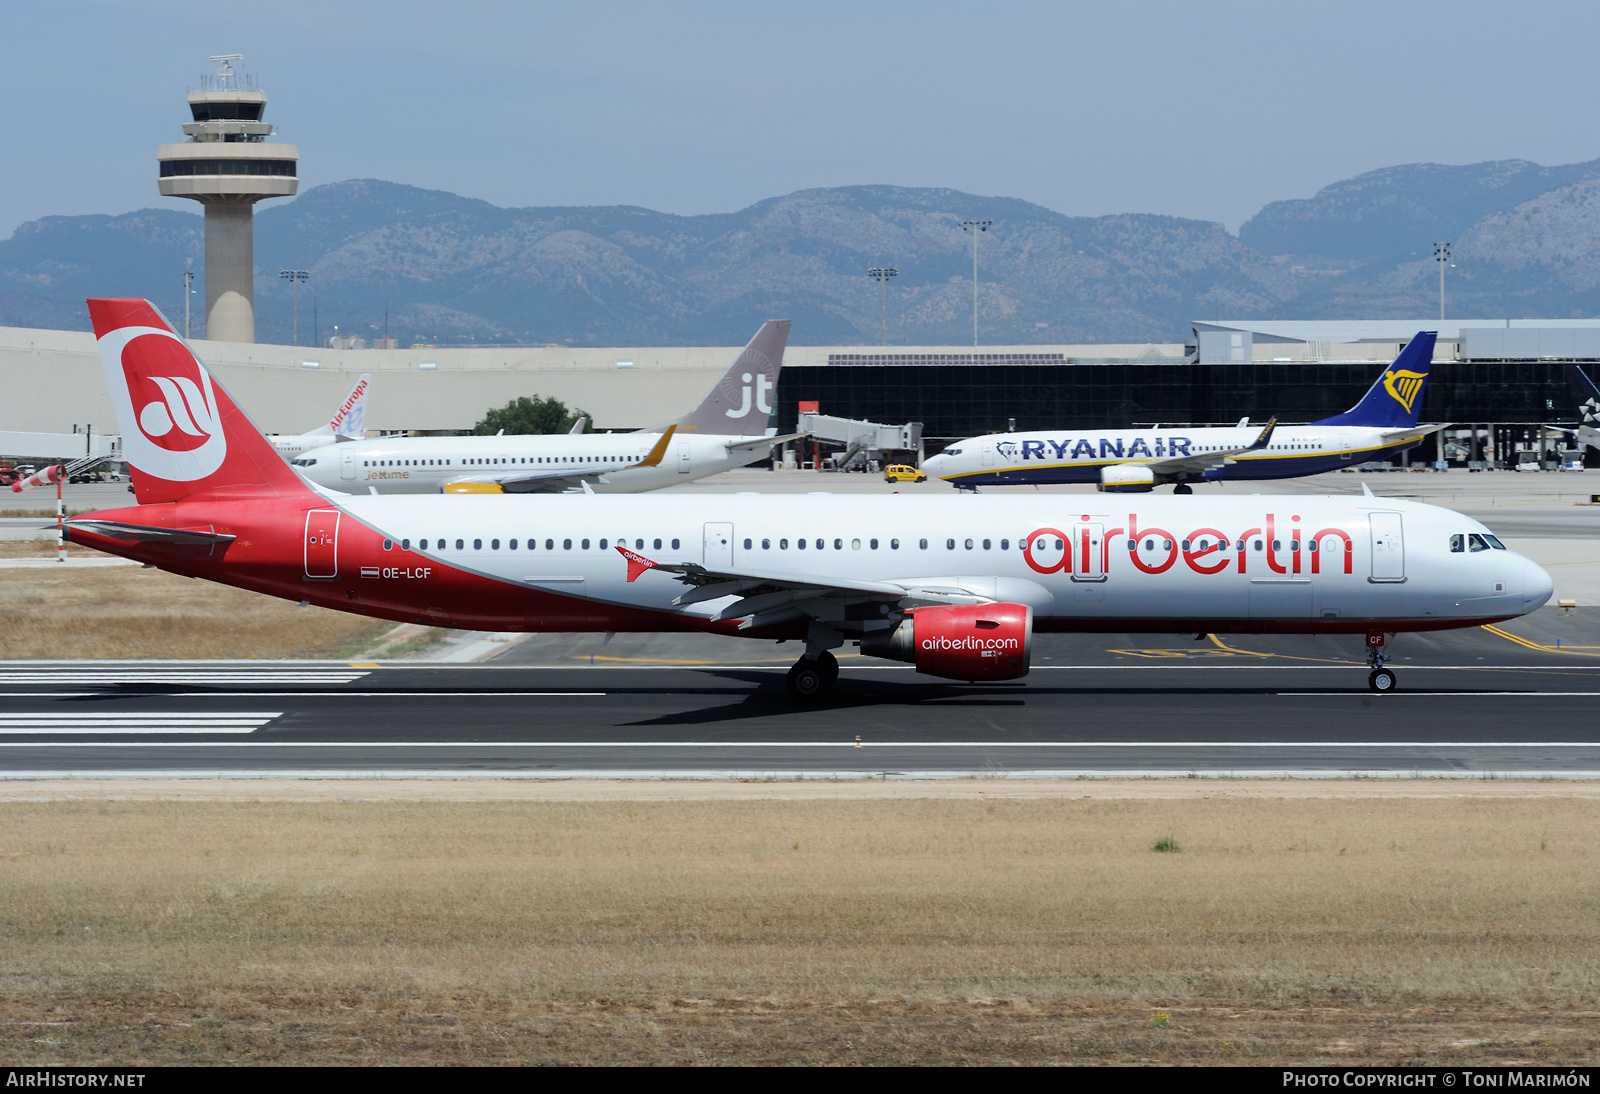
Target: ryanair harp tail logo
{"type": "Point", "coordinates": [1404, 386]}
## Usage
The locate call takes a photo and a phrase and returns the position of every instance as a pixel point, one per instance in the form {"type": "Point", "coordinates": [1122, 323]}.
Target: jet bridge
{"type": "Point", "coordinates": [861, 440]}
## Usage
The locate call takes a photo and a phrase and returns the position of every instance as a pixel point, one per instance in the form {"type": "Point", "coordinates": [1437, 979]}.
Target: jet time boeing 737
{"type": "Point", "coordinates": [955, 585]}
{"type": "Point", "coordinates": [349, 423]}
{"type": "Point", "coordinates": [722, 433]}
{"type": "Point", "coordinates": [1383, 423]}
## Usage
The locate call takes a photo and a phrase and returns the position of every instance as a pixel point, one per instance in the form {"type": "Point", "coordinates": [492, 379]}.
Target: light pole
{"type": "Point", "coordinates": [294, 277]}
{"type": "Point", "coordinates": [1441, 255]}
{"type": "Point", "coordinates": [883, 274]}
{"type": "Point", "coordinates": [975, 226]}
{"type": "Point", "coordinates": [188, 291]}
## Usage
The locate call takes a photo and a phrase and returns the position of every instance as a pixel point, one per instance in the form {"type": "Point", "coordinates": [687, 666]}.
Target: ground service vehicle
{"type": "Point", "coordinates": [956, 585]}
{"type": "Point", "coordinates": [899, 472]}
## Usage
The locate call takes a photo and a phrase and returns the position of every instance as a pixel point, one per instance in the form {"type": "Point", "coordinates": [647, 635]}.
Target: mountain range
{"type": "Point", "coordinates": [433, 266]}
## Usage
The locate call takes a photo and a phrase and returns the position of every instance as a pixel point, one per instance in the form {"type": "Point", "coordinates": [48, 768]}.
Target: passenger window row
{"type": "Point", "coordinates": [489, 461]}
{"type": "Point", "coordinates": [443, 544]}
{"type": "Point", "coordinates": [873, 544]}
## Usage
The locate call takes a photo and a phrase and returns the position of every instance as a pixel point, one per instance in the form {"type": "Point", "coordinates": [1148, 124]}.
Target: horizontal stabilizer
{"type": "Point", "coordinates": [141, 533]}
{"type": "Point", "coordinates": [764, 442]}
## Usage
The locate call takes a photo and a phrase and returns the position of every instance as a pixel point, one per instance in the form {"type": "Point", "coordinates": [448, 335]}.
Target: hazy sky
{"type": "Point", "coordinates": [1202, 110]}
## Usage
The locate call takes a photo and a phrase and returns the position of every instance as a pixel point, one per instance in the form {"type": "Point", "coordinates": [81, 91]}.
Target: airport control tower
{"type": "Point", "coordinates": [227, 165]}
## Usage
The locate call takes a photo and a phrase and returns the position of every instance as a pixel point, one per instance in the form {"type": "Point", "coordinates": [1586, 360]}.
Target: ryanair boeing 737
{"type": "Point", "coordinates": [1382, 424]}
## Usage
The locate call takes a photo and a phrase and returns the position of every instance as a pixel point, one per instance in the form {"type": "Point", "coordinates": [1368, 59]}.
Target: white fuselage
{"type": "Point", "coordinates": [606, 461]}
{"type": "Point", "coordinates": [1044, 456]}
{"type": "Point", "coordinates": [1081, 562]}
{"type": "Point", "coordinates": [289, 447]}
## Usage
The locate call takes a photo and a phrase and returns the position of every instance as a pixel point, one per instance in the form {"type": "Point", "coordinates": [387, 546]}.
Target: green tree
{"type": "Point", "coordinates": [525, 415]}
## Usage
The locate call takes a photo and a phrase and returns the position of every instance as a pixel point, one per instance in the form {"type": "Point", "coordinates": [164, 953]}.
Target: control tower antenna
{"type": "Point", "coordinates": [228, 165]}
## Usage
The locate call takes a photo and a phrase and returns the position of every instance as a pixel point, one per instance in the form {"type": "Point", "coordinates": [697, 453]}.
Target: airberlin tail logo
{"type": "Point", "coordinates": [1404, 386]}
{"type": "Point", "coordinates": [166, 406]}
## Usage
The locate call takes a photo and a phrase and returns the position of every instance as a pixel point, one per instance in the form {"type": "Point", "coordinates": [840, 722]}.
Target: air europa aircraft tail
{"type": "Point", "coordinates": [181, 432]}
{"type": "Point", "coordinates": [350, 420]}
{"type": "Point", "coordinates": [1395, 399]}
{"type": "Point", "coordinates": [743, 399]}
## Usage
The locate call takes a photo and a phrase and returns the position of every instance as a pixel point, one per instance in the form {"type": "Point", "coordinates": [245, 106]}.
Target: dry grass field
{"type": "Point", "coordinates": [1362, 929]}
{"type": "Point", "coordinates": [128, 611]}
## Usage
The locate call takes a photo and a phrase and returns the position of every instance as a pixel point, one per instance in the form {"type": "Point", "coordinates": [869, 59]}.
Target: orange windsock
{"type": "Point", "coordinates": [54, 473]}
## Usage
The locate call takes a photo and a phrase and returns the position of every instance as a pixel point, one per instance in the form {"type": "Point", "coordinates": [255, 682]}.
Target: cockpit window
{"type": "Point", "coordinates": [952, 452]}
{"type": "Point", "coordinates": [1493, 542]}
{"type": "Point", "coordinates": [1458, 544]}
{"type": "Point", "coordinates": [1476, 543]}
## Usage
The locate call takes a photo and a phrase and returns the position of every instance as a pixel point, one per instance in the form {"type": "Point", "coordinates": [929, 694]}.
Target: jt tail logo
{"type": "Point", "coordinates": [1404, 386]}
{"type": "Point", "coordinates": [762, 390]}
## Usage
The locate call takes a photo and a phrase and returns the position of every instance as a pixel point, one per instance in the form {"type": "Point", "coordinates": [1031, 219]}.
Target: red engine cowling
{"type": "Point", "coordinates": [961, 642]}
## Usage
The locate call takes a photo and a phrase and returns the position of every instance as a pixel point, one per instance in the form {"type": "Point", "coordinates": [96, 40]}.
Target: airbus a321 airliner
{"type": "Point", "coordinates": [956, 585]}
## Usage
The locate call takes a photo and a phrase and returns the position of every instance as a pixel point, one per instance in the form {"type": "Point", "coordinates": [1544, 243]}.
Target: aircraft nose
{"type": "Point", "coordinates": [1536, 585]}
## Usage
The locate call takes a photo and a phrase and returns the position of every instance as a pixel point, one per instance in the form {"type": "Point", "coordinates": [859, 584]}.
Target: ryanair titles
{"type": "Point", "coordinates": [1086, 449]}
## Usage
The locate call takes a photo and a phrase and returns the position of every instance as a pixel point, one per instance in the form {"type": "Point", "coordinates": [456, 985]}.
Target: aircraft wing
{"type": "Point", "coordinates": [764, 599]}
{"type": "Point", "coordinates": [1209, 461]}
{"type": "Point", "coordinates": [529, 482]}
{"type": "Point", "coordinates": [764, 442]}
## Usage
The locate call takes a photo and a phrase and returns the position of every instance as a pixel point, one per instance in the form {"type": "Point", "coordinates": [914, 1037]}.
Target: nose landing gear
{"type": "Point", "coordinates": [811, 678]}
{"type": "Point", "coordinates": [1379, 679]}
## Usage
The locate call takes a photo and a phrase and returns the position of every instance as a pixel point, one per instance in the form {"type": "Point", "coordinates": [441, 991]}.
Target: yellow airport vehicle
{"type": "Point", "coordinates": [900, 472]}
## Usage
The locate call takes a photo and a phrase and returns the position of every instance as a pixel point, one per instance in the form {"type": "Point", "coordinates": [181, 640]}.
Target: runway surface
{"type": "Point", "coordinates": [1475, 703]}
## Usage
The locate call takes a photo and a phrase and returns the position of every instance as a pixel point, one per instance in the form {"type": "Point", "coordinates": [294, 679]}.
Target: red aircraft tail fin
{"type": "Point", "coordinates": [181, 432]}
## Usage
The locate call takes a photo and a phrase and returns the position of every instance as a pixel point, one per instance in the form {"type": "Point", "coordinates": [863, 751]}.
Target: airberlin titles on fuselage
{"type": "Point", "coordinates": [1086, 551]}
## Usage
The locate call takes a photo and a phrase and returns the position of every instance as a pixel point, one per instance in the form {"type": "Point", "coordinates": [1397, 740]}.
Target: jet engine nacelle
{"type": "Point", "coordinates": [1126, 478]}
{"type": "Point", "coordinates": [961, 642]}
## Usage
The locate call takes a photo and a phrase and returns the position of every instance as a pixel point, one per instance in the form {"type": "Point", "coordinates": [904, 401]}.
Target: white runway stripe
{"type": "Point", "coordinates": [468, 745]}
{"type": "Point", "coordinates": [119, 724]}
{"type": "Point", "coordinates": [175, 676]}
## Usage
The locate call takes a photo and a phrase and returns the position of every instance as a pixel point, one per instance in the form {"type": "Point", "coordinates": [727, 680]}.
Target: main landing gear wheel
{"type": "Point", "coordinates": [1381, 680]}
{"type": "Point", "coordinates": [1183, 488]}
{"type": "Point", "coordinates": [808, 680]}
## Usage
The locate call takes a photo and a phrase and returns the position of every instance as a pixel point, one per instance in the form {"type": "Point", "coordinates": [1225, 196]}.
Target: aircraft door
{"type": "Point", "coordinates": [1344, 446]}
{"type": "Point", "coordinates": [322, 544]}
{"type": "Point", "coordinates": [719, 546]}
{"type": "Point", "coordinates": [1088, 552]}
{"type": "Point", "coordinates": [987, 452]}
{"type": "Point", "coordinates": [347, 465]}
{"type": "Point", "coordinates": [1388, 547]}
{"type": "Point", "coordinates": [682, 448]}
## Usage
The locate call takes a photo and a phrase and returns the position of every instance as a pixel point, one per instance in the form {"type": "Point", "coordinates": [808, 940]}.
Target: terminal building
{"type": "Point", "coordinates": [1501, 383]}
